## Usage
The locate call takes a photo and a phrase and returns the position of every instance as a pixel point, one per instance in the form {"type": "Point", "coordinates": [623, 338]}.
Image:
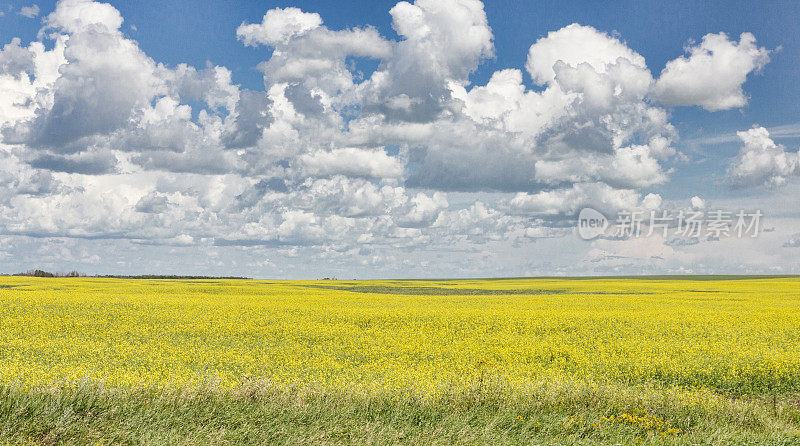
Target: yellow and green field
{"type": "Point", "coordinates": [568, 361]}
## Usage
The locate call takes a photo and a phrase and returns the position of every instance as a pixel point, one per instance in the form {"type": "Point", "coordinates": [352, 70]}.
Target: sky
{"type": "Point", "coordinates": [434, 138]}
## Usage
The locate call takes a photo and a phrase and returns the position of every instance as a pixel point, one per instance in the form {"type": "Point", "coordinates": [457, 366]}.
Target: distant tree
{"type": "Point", "coordinates": [43, 273]}
{"type": "Point", "coordinates": [40, 273]}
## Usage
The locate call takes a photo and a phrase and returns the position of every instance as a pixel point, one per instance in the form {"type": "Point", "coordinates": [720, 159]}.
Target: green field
{"type": "Point", "coordinates": [655, 360]}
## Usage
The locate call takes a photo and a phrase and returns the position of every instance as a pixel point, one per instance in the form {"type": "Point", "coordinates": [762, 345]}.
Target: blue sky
{"type": "Point", "coordinates": [702, 162]}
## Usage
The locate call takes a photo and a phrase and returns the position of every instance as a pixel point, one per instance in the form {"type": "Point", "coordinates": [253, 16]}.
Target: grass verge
{"type": "Point", "coordinates": [259, 413]}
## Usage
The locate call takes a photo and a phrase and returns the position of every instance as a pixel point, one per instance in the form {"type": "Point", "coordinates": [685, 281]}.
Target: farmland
{"type": "Point", "coordinates": [568, 361]}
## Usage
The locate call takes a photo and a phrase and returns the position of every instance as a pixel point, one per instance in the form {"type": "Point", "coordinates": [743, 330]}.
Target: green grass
{"type": "Point", "coordinates": [567, 413]}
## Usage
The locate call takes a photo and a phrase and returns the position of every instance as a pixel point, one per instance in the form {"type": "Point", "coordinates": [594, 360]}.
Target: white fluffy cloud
{"type": "Point", "coordinates": [713, 74]}
{"type": "Point", "coordinates": [443, 41]}
{"type": "Point", "coordinates": [761, 161]}
{"type": "Point", "coordinates": [574, 45]}
{"type": "Point", "coordinates": [570, 201]}
{"type": "Point", "coordinates": [27, 75]}
{"type": "Point", "coordinates": [75, 16]}
{"type": "Point", "coordinates": [278, 26]}
{"type": "Point", "coordinates": [354, 162]}
{"type": "Point", "coordinates": [697, 203]}
{"type": "Point", "coordinates": [85, 100]}
{"type": "Point", "coordinates": [307, 52]}
{"type": "Point", "coordinates": [580, 128]}
{"type": "Point", "coordinates": [29, 11]}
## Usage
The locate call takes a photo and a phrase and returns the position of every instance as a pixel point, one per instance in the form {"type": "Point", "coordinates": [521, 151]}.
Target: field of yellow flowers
{"type": "Point", "coordinates": [574, 359]}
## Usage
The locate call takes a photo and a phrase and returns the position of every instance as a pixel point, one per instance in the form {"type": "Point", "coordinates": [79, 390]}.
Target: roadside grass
{"type": "Point", "coordinates": [569, 413]}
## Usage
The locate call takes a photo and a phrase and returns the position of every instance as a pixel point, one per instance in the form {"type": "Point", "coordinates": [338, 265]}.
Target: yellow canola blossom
{"type": "Point", "coordinates": [738, 335]}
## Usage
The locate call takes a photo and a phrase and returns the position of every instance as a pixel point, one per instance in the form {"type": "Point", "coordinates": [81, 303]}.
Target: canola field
{"type": "Point", "coordinates": [722, 341]}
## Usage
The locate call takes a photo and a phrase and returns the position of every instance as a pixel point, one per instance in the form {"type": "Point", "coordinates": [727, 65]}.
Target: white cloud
{"type": "Point", "coordinates": [697, 203]}
{"type": "Point", "coordinates": [86, 98]}
{"type": "Point", "coordinates": [422, 210]}
{"type": "Point", "coordinates": [480, 223]}
{"type": "Point", "coordinates": [29, 11]}
{"type": "Point", "coordinates": [278, 26]}
{"type": "Point", "coordinates": [713, 74]}
{"type": "Point", "coordinates": [307, 52]}
{"type": "Point", "coordinates": [574, 45]}
{"type": "Point", "coordinates": [443, 41]}
{"type": "Point", "coordinates": [761, 161]}
{"type": "Point", "coordinates": [568, 202]}
{"type": "Point", "coordinates": [354, 162]}
{"type": "Point", "coordinates": [450, 37]}
{"type": "Point", "coordinates": [74, 16]}
{"type": "Point", "coordinates": [26, 79]}
{"type": "Point", "coordinates": [580, 128]}
{"type": "Point", "coordinates": [15, 59]}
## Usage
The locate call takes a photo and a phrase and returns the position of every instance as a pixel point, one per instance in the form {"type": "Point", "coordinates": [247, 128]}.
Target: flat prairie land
{"type": "Point", "coordinates": [655, 360]}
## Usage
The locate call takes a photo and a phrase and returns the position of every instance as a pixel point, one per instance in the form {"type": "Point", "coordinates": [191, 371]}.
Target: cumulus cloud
{"type": "Point", "coordinates": [26, 78]}
{"type": "Point", "coordinates": [350, 161]}
{"type": "Point", "coordinates": [278, 26]}
{"type": "Point", "coordinates": [422, 210]}
{"type": "Point", "coordinates": [568, 202]}
{"type": "Point", "coordinates": [252, 117]}
{"type": "Point", "coordinates": [713, 73]}
{"type": "Point", "coordinates": [575, 45]}
{"type": "Point", "coordinates": [697, 203]}
{"type": "Point", "coordinates": [442, 43]}
{"type": "Point", "coordinates": [15, 59]}
{"type": "Point", "coordinates": [29, 11]}
{"type": "Point", "coordinates": [761, 161]}
{"type": "Point", "coordinates": [587, 125]}
{"type": "Point", "coordinates": [306, 51]}
{"type": "Point", "coordinates": [74, 16]}
{"type": "Point", "coordinates": [86, 98]}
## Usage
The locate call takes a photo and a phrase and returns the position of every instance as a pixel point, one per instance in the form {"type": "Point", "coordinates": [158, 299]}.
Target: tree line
{"type": "Point", "coordinates": [42, 273]}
